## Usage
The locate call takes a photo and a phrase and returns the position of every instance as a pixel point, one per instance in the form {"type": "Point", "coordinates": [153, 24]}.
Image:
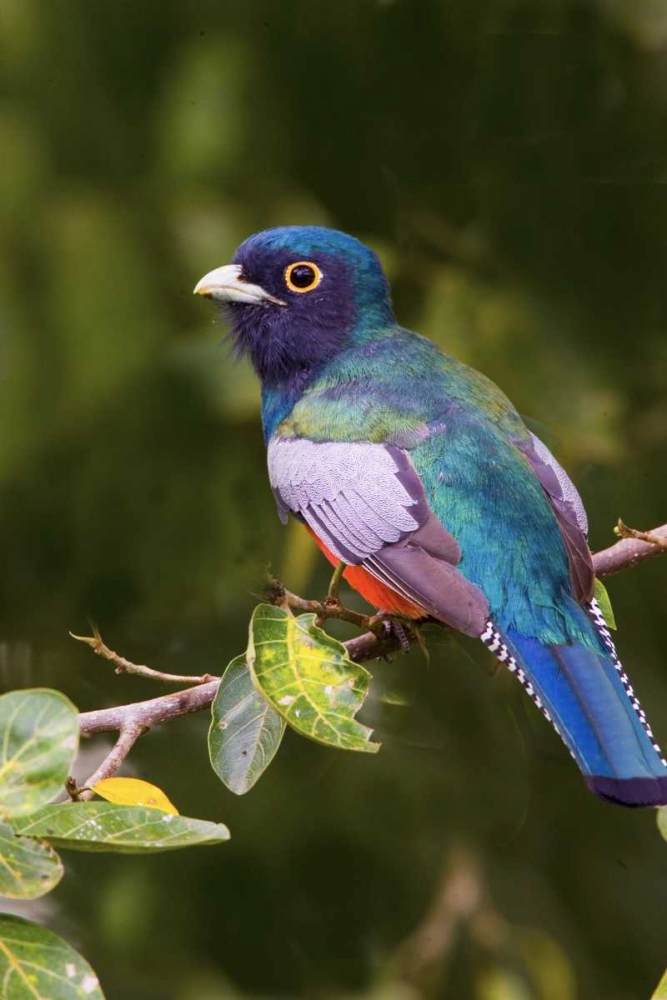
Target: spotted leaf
{"type": "Point", "coordinates": [308, 678]}
{"type": "Point", "coordinates": [35, 964]}
{"type": "Point", "coordinates": [39, 738]}
{"type": "Point", "coordinates": [103, 826]}
{"type": "Point", "coordinates": [28, 868]}
{"type": "Point", "coordinates": [245, 732]}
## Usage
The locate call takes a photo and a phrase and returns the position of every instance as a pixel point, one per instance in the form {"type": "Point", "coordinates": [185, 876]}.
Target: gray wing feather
{"type": "Point", "coordinates": [350, 514]}
{"type": "Point", "coordinates": [366, 502]}
{"type": "Point", "coordinates": [357, 497]}
{"type": "Point", "coordinates": [563, 487]}
{"type": "Point", "coordinates": [570, 514]}
{"type": "Point", "coordinates": [333, 542]}
{"type": "Point", "coordinates": [362, 509]}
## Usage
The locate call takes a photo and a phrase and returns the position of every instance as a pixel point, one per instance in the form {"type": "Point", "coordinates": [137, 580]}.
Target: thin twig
{"type": "Point", "coordinates": [637, 547]}
{"type": "Point", "coordinates": [127, 737]}
{"type": "Point", "coordinates": [623, 531]}
{"type": "Point", "coordinates": [123, 666]}
{"type": "Point", "coordinates": [328, 609]}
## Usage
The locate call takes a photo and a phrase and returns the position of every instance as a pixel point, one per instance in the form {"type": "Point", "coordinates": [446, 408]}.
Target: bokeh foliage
{"type": "Point", "coordinates": [508, 159]}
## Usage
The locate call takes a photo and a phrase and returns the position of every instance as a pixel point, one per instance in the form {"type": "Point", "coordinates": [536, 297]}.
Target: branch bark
{"type": "Point", "coordinates": [133, 720]}
{"type": "Point", "coordinates": [127, 737]}
{"type": "Point", "coordinates": [636, 547]}
{"type": "Point", "coordinates": [138, 717]}
{"type": "Point", "coordinates": [147, 714]}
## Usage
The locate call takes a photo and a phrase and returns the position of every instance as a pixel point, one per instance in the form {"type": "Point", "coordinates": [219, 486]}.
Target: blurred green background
{"type": "Point", "coordinates": [508, 160]}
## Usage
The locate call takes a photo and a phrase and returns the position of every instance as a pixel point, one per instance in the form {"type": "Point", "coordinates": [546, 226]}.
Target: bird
{"type": "Point", "coordinates": [417, 472]}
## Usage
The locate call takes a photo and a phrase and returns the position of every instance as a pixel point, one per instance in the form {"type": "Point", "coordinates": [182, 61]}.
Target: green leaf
{"type": "Point", "coordinates": [662, 822]}
{"type": "Point", "coordinates": [39, 738]}
{"type": "Point", "coordinates": [28, 868]}
{"type": "Point", "coordinates": [661, 989]}
{"type": "Point", "coordinates": [602, 597]}
{"type": "Point", "coordinates": [309, 678]}
{"type": "Point", "coordinates": [103, 826]}
{"type": "Point", "coordinates": [245, 730]}
{"type": "Point", "coordinates": [35, 964]}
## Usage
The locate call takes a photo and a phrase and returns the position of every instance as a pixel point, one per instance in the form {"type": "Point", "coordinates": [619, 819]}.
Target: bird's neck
{"type": "Point", "coordinates": [278, 398]}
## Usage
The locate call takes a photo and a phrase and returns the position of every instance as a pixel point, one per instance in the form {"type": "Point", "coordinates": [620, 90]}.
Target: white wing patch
{"type": "Point", "coordinates": [356, 497]}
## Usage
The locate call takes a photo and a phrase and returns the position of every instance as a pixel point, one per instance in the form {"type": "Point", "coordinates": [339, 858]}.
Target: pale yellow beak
{"type": "Point", "coordinates": [225, 285]}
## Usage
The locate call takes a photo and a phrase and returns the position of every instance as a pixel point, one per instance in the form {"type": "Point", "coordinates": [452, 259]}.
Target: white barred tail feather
{"type": "Point", "coordinates": [589, 700]}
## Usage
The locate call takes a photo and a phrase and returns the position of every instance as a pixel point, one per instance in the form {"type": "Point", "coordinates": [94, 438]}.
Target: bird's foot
{"type": "Point", "coordinates": [391, 627]}
{"type": "Point", "coordinates": [397, 631]}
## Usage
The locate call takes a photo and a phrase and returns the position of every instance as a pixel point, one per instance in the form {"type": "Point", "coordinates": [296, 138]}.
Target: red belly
{"type": "Point", "coordinates": [376, 593]}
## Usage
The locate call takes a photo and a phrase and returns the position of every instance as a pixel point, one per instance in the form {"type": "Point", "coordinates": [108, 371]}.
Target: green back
{"type": "Point", "coordinates": [461, 431]}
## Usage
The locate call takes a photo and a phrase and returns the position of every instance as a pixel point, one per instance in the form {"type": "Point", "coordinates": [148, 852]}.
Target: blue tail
{"type": "Point", "coordinates": [588, 698]}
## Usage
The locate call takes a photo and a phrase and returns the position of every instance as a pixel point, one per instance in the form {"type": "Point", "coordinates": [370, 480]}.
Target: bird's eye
{"type": "Point", "coordinates": [302, 276]}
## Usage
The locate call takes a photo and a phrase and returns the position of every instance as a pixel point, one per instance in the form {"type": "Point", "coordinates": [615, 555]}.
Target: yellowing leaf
{"type": "Point", "coordinates": [661, 989]}
{"type": "Point", "coordinates": [134, 792]}
{"type": "Point", "coordinates": [308, 678]}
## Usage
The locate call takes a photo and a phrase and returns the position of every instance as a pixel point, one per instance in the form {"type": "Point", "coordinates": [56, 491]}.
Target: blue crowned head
{"type": "Point", "coordinates": [297, 295]}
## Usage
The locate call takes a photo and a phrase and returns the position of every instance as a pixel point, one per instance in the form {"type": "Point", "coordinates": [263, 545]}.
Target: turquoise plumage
{"type": "Point", "coordinates": [419, 473]}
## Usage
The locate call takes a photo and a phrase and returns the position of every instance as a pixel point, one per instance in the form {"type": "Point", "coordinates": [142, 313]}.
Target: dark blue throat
{"type": "Point", "coordinates": [287, 351]}
{"type": "Point", "coordinates": [284, 341]}
{"type": "Point", "coordinates": [279, 400]}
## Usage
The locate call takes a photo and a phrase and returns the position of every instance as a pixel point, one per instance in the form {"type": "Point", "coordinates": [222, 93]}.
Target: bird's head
{"type": "Point", "coordinates": [297, 295]}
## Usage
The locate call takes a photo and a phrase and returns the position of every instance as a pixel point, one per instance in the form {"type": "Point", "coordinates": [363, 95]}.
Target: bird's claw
{"type": "Point", "coordinates": [394, 630]}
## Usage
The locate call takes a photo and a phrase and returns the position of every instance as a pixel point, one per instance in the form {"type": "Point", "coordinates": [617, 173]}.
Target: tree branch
{"type": "Point", "coordinates": [132, 720]}
{"type": "Point", "coordinates": [146, 714]}
{"type": "Point", "coordinates": [127, 737]}
{"type": "Point", "coordinates": [635, 547]}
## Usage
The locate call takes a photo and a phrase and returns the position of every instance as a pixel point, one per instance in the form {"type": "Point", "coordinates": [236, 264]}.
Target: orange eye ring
{"type": "Point", "coordinates": [302, 276]}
